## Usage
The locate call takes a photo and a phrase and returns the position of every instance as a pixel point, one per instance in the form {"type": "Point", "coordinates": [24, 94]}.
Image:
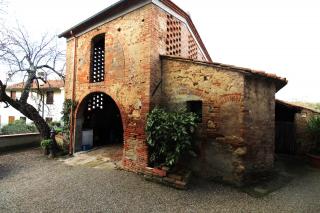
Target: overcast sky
{"type": "Point", "coordinates": [277, 36]}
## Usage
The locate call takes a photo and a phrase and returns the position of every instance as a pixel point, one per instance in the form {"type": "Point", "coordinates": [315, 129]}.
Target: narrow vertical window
{"type": "Point", "coordinates": [13, 95]}
{"type": "Point", "coordinates": [97, 59]}
{"type": "Point", "coordinates": [50, 97]}
{"type": "Point", "coordinates": [23, 119]}
{"type": "Point", "coordinates": [11, 119]}
{"type": "Point", "coordinates": [49, 120]}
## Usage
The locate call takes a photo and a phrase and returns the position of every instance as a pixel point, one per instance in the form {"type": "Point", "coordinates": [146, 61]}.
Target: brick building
{"type": "Point", "coordinates": [139, 54]}
{"type": "Point", "coordinates": [292, 137]}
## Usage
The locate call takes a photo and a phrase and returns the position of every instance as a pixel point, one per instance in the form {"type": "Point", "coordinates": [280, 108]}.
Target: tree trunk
{"type": "Point", "coordinates": [27, 110]}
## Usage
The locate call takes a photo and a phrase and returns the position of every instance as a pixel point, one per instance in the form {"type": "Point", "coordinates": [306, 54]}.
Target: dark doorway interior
{"type": "Point", "coordinates": [102, 115]}
{"type": "Point", "coordinates": [285, 141]}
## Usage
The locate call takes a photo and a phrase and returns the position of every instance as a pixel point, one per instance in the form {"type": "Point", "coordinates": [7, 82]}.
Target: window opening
{"type": "Point", "coordinates": [49, 97]}
{"type": "Point", "coordinates": [195, 107]}
{"type": "Point", "coordinates": [97, 59]}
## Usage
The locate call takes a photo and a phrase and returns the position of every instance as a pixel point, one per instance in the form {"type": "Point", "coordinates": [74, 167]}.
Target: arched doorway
{"type": "Point", "coordinates": [98, 120]}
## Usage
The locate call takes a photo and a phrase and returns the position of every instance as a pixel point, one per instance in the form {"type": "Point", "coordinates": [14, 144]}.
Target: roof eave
{"type": "Point", "coordinates": [100, 15]}
{"type": "Point", "coordinates": [190, 22]}
{"type": "Point", "coordinates": [279, 82]}
{"type": "Point", "coordinates": [125, 4]}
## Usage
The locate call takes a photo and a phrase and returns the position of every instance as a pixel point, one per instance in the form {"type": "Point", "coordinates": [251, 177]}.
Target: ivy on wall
{"type": "Point", "coordinates": [68, 106]}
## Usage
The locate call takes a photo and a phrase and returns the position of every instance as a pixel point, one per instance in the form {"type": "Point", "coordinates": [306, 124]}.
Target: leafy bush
{"type": "Point", "coordinates": [314, 131]}
{"type": "Point", "coordinates": [18, 127]}
{"type": "Point", "coordinates": [169, 135]}
{"type": "Point", "coordinates": [46, 143]}
{"type": "Point", "coordinates": [56, 126]}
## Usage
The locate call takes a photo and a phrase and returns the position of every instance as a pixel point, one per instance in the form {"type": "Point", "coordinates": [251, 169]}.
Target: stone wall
{"type": "Point", "coordinates": [303, 140]}
{"type": "Point", "coordinates": [16, 140]}
{"type": "Point", "coordinates": [236, 136]}
{"type": "Point", "coordinates": [259, 129]}
{"type": "Point", "coordinates": [220, 135]}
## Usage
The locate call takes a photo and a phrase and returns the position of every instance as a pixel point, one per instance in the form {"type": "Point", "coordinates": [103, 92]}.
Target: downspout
{"type": "Point", "coordinates": [72, 126]}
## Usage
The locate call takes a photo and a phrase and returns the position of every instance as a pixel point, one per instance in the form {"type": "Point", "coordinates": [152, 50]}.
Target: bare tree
{"type": "Point", "coordinates": [3, 5]}
{"type": "Point", "coordinates": [32, 61]}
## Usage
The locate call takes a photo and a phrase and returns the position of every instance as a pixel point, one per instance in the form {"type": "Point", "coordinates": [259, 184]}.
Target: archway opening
{"type": "Point", "coordinates": [98, 122]}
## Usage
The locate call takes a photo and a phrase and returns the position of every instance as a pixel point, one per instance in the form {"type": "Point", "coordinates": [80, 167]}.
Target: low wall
{"type": "Point", "coordinates": [8, 141]}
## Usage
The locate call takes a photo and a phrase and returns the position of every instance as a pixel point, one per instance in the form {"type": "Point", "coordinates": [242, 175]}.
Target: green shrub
{"type": "Point", "coordinates": [18, 127]}
{"type": "Point", "coordinates": [313, 128]}
{"type": "Point", "coordinates": [169, 135]}
{"type": "Point", "coordinates": [46, 143]}
{"type": "Point", "coordinates": [56, 126]}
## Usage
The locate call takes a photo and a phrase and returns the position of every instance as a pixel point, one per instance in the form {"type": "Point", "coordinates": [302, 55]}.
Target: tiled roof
{"type": "Point", "coordinates": [125, 6]}
{"type": "Point", "coordinates": [280, 82]}
{"type": "Point", "coordinates": [295, 106]}
{"type": "Point", "coordinates": [51, 84]}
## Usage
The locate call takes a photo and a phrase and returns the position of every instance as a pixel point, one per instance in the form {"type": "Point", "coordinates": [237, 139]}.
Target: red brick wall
{"type": "Point", "coordinates": [127, 76]}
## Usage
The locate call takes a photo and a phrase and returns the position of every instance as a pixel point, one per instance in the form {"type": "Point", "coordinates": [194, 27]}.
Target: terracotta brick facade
{"type": "Point", "coordinates": [127, 76]}
{"type": "Point", "coordinates": [236, 133]}
{"type": "Point", "coordinates": [133, 44]}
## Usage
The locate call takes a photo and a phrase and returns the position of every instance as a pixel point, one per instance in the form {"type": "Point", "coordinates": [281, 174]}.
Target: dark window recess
{"type": "Point", "coordinates": [195, 107]}
{"type": "Point", "coordinates": [48, 119]}
{"type": "Point", "coordinates": [13, 95]}
{"type": "Point", "coordinates": [49, 97]}
{"type": "Point", "coordinates": [24, 119]}
{"type": "Point", "coordinates": [97, 59]}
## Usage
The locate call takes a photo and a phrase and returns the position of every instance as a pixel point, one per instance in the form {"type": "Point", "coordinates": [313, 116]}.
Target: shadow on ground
{"type": "Point", "coordinates": [4, 171]}
{"type": "Point", "coordinates": [287, 168]}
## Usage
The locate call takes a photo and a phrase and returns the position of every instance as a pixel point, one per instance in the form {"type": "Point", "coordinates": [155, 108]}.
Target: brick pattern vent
{"type": "Point", "coordinates": [192, 48]}
{"type": "Point", "coordinates": [96, 102]}
{"type": "Point", "coordinates": [173, 42]}
{"type": "Point", "coordinates": [97, 69]}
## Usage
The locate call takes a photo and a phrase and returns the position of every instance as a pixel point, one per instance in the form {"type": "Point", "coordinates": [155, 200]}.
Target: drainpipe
{"type": "Point", "coordinates": [72, 123]}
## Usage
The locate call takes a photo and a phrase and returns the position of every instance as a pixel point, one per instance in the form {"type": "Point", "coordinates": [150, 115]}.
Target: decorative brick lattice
{"type": "Point", "coordinates": [173, 41]}
{"type": "Point", "coordinates": [192, 48]}
{"type": "Point", "coordinates": [97, 60]}
{"type": "Point", "coordinates": [96, 102]}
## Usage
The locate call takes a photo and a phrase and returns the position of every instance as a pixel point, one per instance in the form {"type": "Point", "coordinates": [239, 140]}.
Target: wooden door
{"type": "Point", "coordinates": [285, 138]}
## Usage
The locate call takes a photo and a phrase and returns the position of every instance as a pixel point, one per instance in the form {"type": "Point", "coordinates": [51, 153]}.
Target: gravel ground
{"type": "Point", "coordinates": [31, 183]}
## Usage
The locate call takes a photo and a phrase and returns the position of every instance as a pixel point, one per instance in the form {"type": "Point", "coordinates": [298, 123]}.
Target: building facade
{"type": "Point", "coordinates": [292, 136]}
{"type": "Point", "coordinates": [49, 102]}
{"type": "Point", "coordinates": [138, 54]}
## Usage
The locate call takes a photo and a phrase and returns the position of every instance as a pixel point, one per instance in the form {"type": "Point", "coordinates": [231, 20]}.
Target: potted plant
{"type": "Point", "coordinates": [313, 128]}
{"type": "Point", "coordinates": [46, 145]}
